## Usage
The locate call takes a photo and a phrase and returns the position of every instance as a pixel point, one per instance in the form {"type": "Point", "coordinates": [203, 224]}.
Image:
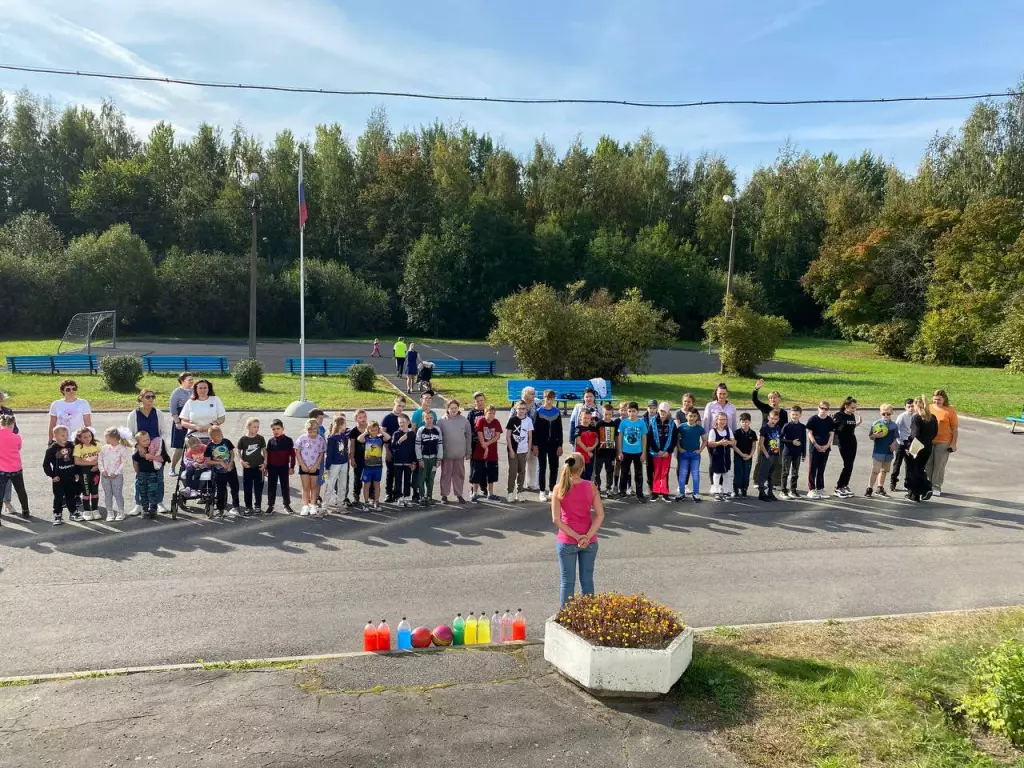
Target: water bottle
{"type": "Point", "coordinates": [458, 630]}
{"type": "Point", "coordinates": [404, 635]}
{"type": "Point", "coordinates": [495, 628]}
{"type": "Point", "coordinates": [383, 636]}
{"type": "Point", "coordinates": [506, 626]}
{"type": "Point", "coordinates": [369, 637]}
{"type": "Point", "coordinates": [471, 630]}
{"type": "Point", "coordinates": [483, 629]}
{"type": "Point", "coordinates": [519, 625]}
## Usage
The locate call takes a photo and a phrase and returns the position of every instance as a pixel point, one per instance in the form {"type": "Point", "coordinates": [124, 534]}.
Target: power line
{"type": "Point", "coordinates": [500, 99]}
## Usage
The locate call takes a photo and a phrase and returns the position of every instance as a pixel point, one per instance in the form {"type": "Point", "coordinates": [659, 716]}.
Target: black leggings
{"type": "Point", "coordinates": [606, 464]}
{"type": "Point", "coordinates": [902, 460]}
{"type": "Point", "coordinates": [849, 452]}
{"type": "Point", "coordinates": [816, 469]}
{"type": "Point", "coordinates": [548, 460]}
{"type": "Point", "coordinates": [225, 480]}
{"type": "Point", "coordinates": [637, 462]}
{"type": "Point", "coordinates": [917, 480]}
{"type": "Point", "coordinates": [252, 479]}
{"type": "Point", "coordinates": [65, 493]}
{"type": "Point", "coordinates": [17, 479]}
{"type": "Point", "coordinates": [275, 476]}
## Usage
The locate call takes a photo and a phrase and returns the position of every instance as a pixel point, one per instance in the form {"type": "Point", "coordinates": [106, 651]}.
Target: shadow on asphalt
{"type": "Point", "coordinates": [472, 525]}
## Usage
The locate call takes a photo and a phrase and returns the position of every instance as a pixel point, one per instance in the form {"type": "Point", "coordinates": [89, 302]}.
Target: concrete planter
{"type": "Point", "coordinates": [617, 671]}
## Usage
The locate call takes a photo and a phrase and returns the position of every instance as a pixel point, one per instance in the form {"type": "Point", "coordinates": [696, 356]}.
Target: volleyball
{"type": "Point", "coordinates": [880, 428]}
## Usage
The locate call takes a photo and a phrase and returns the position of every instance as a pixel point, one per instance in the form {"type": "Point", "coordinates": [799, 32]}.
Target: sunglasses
{"type": "Point", "coordinates": [149, 397]}
{"type": "Point", "coordinates": [70, 389]}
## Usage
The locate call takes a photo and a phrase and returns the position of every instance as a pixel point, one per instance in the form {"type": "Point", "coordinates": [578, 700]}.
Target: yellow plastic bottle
{"type": "Point", "coordinates": [483, 629]}
{"type": "Point", "coordinates": [471, 635]}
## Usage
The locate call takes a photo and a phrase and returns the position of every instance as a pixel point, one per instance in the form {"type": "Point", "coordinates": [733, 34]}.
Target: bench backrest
{"type": "Point", "coordinates": [464, 367]}
{"type": "Point", "coordinates": [52, 363]}
{"type": "Point", "coordinates": [198, 363]}
{"type": "Point", "coordinates": [566, 390]}
{"type": "Point", "coordinates": [322, 365]}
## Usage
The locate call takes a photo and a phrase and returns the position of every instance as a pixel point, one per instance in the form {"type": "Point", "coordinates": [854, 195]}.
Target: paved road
{"type": "Point", "coordinates": [102, 595]}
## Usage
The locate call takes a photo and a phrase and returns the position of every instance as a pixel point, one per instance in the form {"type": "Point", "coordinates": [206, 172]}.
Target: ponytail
{"type": "Point", "coordinates": [571, 469]}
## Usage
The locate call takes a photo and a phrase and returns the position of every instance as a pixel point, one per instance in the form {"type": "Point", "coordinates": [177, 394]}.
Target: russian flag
{"type": "Point", "coordinates": [303, 213]}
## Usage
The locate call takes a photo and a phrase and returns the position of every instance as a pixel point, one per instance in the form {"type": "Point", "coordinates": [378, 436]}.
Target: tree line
{"type": "Point", "coordinates": [424, 230]}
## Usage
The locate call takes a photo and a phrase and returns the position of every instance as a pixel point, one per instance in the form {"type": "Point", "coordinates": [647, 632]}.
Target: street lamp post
{"type": "Point", "coordinates": [730, 200]}
{"type": "Point", "coordinates": [254, 209]}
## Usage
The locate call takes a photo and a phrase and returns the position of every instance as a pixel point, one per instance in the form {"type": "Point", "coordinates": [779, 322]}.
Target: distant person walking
{"type": "Point", "coordinates": [376, 348]}
{"type": "Point", "coordinates": [400, 356]}
{"type": "Point", "coordinates": [412, 365]}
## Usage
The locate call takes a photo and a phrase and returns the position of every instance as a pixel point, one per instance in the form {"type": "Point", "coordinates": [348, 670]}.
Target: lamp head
{"type": "Point", "coordinates": [254, 177]}
{"type": "Point", "coordinates": [729, 198]}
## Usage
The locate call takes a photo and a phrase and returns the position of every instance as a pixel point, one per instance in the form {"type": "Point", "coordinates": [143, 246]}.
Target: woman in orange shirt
{"type": "Point", "coordinates": [945, 440]}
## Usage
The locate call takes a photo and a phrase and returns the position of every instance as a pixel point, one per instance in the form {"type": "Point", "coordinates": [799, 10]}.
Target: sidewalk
{"type": "Point", "coordinates": [472, 707]}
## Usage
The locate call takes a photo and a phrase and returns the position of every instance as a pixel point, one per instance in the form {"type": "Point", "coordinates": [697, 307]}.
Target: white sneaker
{"type": "Point", "coordinates": [173, 473]}
{"type": "Point", "coordinates": [161, 508]}
{"type": "Point", "coordinates": [936, 491]}
{"type": "Point", "coordinates": [304, 512]}
{"type": "Point", "coordinates": [8, 508]}
{"type": "Point", "coordinates": [544, 496]}
{"type": "Point", "coordinates": [135, 511]}
{"type": "Point", "coordinates": [119, 517]}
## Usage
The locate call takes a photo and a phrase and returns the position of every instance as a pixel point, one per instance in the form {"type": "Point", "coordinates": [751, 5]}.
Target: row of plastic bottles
{"type": "Point", "coordinates": [505, 628]}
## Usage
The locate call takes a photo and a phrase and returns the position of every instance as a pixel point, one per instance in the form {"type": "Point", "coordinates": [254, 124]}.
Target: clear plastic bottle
{"type": "Point", "coordinates": [458, 630]}
{"type": "Point", "coordinates": [383, 636]}
{"type": "Point", "coordinates": [496, 628]}
{"type": "Point", "coordinates": [483, 629]}
{"type": "Point", "coordinates": [404, 635]}
{"type": "Point", "coordinates": [506, 626]}
{"type": "Point", "coordinates": [369, 637]}
{"type": "Point", "coordinates": [471, 634]}
{"type": "Point", "coordinates": [519, 625]}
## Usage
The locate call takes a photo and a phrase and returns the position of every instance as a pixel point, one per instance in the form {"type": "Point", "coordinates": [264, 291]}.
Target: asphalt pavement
{"type": "Point", "coordinates": [100, 595]}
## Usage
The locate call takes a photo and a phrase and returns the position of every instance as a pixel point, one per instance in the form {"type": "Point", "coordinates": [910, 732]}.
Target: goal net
{"type": "Point", "coordinates": [87, 329]}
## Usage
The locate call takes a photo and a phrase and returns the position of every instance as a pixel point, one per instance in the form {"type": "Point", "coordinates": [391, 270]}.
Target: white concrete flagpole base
{"type": "Point", "coordinates": [299, 409]}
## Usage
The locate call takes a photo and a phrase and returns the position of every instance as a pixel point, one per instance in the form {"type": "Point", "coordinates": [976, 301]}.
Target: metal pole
{"type": "Point", "coordinates": [728, 277]}
{"type": "Point", "coordinates": [252, 279]}
{"type": "Point", "coordinates": [115, 329]}
{"type": "Point", "coordinates": [302, 303]}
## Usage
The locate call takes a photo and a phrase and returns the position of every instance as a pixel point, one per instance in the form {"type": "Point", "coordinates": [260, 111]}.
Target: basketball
{"type": "Point", "coordinates": [442, 635]}
{"type": "Point", "coordinates": [421, 637]}
{"type": "Point", "coordinates": [879, 428]}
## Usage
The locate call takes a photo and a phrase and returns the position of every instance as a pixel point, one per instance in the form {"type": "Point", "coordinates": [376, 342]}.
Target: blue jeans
{"type": "Point", "coordinates": [741, 474]}
{"type": "Point", "coordinates": [568, 555]}
{"type": "Point", "coordinates": [689, 467]}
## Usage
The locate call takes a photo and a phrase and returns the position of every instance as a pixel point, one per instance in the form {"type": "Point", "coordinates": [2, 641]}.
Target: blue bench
{"type": "Point", "coordinates": [322, 365]}
{"type": "Point", "coordinates": [566, 391]}
{"type": "Point", "coordinates": [53, 364]}
{"type": "Point", "coordinates": [1015, 420]}
{"type": "Point", "coordinates": [197, 363]}
{"type": "Point", "coordinates": [464, 367]}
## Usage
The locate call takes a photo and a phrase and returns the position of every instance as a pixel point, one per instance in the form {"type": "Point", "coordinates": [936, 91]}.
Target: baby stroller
{"type": "Point", "coordinates": [206, 496]}
{"type": "Point", "coordinates": [424, 376]}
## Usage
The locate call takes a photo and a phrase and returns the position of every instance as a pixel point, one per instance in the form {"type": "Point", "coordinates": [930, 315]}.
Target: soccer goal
{"type": "Point", "coordinates": [88, 328]}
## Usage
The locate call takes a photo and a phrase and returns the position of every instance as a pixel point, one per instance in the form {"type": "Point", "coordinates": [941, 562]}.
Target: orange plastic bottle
{"type": "Point", "coordinates": [369, 637]}
{"type": "Point", "coordinates": [383, 636]}
{"type": "Point", "coordinates": [519, 625]}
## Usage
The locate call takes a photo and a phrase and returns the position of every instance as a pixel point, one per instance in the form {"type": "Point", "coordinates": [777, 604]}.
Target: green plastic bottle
{"type": "Point", "coordinates": [458, 630]}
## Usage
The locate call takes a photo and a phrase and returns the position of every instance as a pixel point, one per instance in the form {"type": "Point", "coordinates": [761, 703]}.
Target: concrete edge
{"type": "Point", "coordinates": [214, 666]}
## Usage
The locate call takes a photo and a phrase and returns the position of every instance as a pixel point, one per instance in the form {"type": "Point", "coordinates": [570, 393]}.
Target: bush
{"type": "Point", "coordinates": [1007, 338]}
{"type": "Point", "coordinates": [620, 621]}
{"type": "Point", "coordinates": [748, 338]}
{"type": "Point", "coordinates": [121, 373]}
{"type": "Point", "coordinates": [891, 339]}
{"type": "Point", "coordinates": [362, 377]}
{"type": "Point", "coordinates": [998, 678]}
{"type": "Point", "coordinates": [951, 336]}
{"type": "Point", "coordinates": [248, 375]}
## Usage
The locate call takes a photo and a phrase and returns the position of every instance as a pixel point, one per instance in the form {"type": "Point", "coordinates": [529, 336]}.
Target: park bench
{"type": "Point", "coordinates": [52, 364]}
{"type": "Point", "coordinates": [464, 367]}
{"type": "Point", "coordinates": [324, 365]}
{"type": "Point", "coordinates": [174, 364]}
{"type": "Point", "coordinates": [566, 391]}
{"type": "Point", "coordinates": [1015, 420]}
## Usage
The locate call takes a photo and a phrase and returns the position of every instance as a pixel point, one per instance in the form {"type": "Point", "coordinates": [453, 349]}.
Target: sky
{"type": "Point", "coordinates": [642, 50]}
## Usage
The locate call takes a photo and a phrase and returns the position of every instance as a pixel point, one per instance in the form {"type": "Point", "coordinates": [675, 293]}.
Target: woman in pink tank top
{"type": "Point", "coordinates": [577, 512]}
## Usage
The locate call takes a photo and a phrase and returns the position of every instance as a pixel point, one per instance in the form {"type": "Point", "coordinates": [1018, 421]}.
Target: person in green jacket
{"type": "Point", "coordinates": [400, 356]}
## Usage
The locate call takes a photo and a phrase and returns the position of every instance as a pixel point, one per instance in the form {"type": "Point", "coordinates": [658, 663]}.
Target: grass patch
{"type": "Point", "coordinates": [870, 693]}
{"type": "Point", "coordinates": [30, 347]}
{"type": "Point", "coordinates": [35, 391]}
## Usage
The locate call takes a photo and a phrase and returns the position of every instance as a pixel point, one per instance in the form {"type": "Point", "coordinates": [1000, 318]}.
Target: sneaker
{"type": "Point", "coordinates": [680, 497]}
{"type": "Point", "coordinates": [163, 510]}
{"type": "Point", "coordinates": [666, 499]}
{"type": "Point", "coordinates": [119, 517]}
{"type": "Point", "coordinates": [376, 505]}
{"type": "Point", "coordinates": [257, 510]}
{"type": "Point", "coordinates": [235, 511]}
{"type": "Point", "coordinates": [718, 496]}
{"type": "Point", "coordinates": [936, 491]}
{"type": "Point", "coordinates": [927, 495]}
{"type": "Point", "coordinates": [111, 517]}
{"type": "Point", "coordinates": [761, 495]}
{"type": "Point", "coordinates": [868, 491]}
{"type": "Point", "coordinates": [543, 496]}
{"type": "Point", "coordinates": [269, 511]}
{"type": "Point", "coordinates": [461, 500]}
{"type": "Point", "coordinates": [288, 509]}
{"type": "Point", "coordinates": [76, 517]}
{"type": "Point", "coordinates": [494, 497]}
{"type": "Point", "coordinates": [476, 499]}
{"type": "Point", "coordinates": [785, 494]}
{"type": "Point", "coordinates": [696, 498]}
{"type": "Point", "coordinates": [247, 512]}
{"type": "Point", "coordinates": [137, 510]}
{"type": "Point", "coordinates": [444, 499]}
{"type": "Point", "coordinates": [812, 494]}
{"type": "Point", "coordinates": [839, 493]}
{"type": "Point", "coordinates": [823, 495]}
{"type": "Point", "coordinates": [58, 520]}
{"type": "Point", "coordinates": [641, 498]}
{"type": "Point", "coordinates": [304, 511]}
{"type": "Point", "coordinates": [772, 496]}
{"type": "Point", "coordinates": [8, 508]}
{"type": "Point", "coordinates": [880, 491]}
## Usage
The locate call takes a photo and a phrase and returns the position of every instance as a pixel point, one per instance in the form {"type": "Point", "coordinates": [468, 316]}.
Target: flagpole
{"type": "Point", "coordinates": [301, 407]}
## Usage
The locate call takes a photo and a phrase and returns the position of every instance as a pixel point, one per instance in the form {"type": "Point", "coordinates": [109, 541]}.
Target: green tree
{"type": "Point", "coordinates": [746, 339]}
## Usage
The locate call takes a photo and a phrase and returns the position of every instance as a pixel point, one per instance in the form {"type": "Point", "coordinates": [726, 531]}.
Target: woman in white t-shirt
{"type": "Point", "coordinates": [69, 412]}
{"type": "Point", "coordinates": [203, 409]}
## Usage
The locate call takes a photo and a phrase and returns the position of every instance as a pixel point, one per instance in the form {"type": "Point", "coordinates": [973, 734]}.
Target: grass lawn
{"type": "Point", "coordinates": [847, 369]}
{"type": "Point", "coordinates": [31, 391]}
{"type": "Point", "coordinates": [849, 694]}
{"type": "Point", "coordinates": [36, 347]}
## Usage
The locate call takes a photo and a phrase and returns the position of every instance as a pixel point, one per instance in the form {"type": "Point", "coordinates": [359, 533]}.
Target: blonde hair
{"type": "Point", "coordinates": [251, 420]}
{"type": "Point", "coordinates": [571, 469]}
{"type": "Point", "coordinates": [141, 434]}
{"type": "Point", "coordinates": [216, 428]}
{"type": "Point", "coordinates": [921, 403]}
{"type": "Point", "coordinates": [338, 424]}
{"type": "Point", "coordinates": [116, 432]}
{"type": "Point", "coordinates": [311, 424]}
{"type": "Point", "coordinates": [62, 428]}
{"type": "Point", "coordinates": [144, 392]}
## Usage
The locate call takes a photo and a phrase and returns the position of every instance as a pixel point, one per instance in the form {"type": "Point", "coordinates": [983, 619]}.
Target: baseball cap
{"type": "Point", "coordinates": [477, 394]}
{"type": "Point", "coordinates": [665, 407]}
